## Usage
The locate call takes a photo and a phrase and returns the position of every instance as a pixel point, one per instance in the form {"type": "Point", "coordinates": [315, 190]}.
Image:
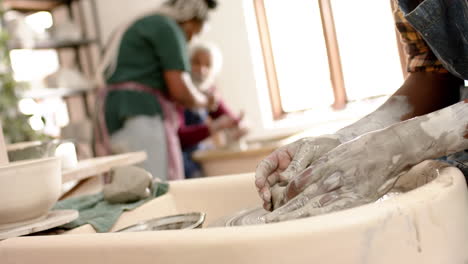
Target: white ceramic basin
{"type": "Point", "coordinates": [427, 225]}
{"type": "Point", "coordinates": [28, 189]}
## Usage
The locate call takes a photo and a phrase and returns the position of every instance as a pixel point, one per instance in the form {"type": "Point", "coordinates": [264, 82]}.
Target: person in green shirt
{"type": "Point", "coordinates": [149, 73]}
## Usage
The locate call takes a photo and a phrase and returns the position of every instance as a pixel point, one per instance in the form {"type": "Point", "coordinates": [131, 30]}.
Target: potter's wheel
{"type": "Point", "coordinates": [173, 222]}
{"type": "Point", "coordinates": [253, 216]}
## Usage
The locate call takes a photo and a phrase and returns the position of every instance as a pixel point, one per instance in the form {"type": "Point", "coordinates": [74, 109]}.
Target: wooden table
{"type": "Point", "coordinates": [227, 161]}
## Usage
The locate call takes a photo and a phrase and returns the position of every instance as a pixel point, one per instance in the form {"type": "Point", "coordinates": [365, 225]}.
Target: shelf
{"type": "Point", "coordinates": [50, 44]}
{"type": "Point", "coordinates": [34, 5]}
{"type": "Point", "coordinates": [96, 166]}
{"type": "Point", "coordinates": [43, 93]}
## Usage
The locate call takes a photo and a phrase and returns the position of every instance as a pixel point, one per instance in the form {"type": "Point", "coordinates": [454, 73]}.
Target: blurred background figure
{"type": "Point", "coordinates": [147, 74]}
{"type": "Point", "coordinates": [200, 124]}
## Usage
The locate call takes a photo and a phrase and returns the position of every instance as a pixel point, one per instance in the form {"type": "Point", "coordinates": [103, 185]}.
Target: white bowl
{"type": "Point", "coordinates": [28, 190]}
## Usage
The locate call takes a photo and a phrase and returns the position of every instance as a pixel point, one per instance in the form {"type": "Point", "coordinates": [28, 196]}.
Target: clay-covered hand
{"type": "Point", "coordinates": [362, 170]}
{"type": "Point", "coordinates": [352, 174]}
{"type": "Point", "coordinates": [276, 170]}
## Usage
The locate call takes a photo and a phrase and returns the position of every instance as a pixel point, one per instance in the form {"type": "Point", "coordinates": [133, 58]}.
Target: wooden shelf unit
{"type": "Point", "coordinates": [50, 44]}
{"type": "Point", "coordinates": [34, 5]}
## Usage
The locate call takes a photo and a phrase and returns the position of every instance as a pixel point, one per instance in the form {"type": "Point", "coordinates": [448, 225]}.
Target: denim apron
{"type": "Point", "coordinates": [444, 26]}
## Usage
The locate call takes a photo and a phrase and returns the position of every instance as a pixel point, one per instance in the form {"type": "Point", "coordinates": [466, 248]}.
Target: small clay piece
{"type": "Point", "coordinates": [128, 184]}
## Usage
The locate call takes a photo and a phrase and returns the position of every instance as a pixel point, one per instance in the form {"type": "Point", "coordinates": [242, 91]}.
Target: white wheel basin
{"type": "Point", "coordinates": [427, 225]}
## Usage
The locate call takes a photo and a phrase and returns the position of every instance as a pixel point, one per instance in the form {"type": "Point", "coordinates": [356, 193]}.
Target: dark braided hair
{"type": "Point", "coordinates": [212, 4]}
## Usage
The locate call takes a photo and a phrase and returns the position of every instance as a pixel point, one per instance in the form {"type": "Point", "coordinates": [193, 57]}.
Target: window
{"type": "Point", "coordinates": [319, 53]}
{"type": "Point", "coordinates": [368, 48]}
{"type": "Point", "coordinates": [33, 66]}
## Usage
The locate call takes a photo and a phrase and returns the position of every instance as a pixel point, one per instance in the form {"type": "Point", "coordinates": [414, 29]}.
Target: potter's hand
{"type": "Point", "coordinates": [362, 170]}
{"type": "Point", "coordinates": [352, 174]}
{"type": "Point", "coordinates": [280, 166]}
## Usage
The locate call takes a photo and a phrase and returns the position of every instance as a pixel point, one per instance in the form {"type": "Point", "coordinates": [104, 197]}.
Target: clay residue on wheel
{"type": "Point", "coordinates": [418, 176]}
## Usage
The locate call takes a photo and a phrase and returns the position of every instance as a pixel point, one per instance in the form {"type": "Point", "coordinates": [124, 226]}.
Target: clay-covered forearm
{"type": "Point", "coordinates": [436, 134]}
{"type": "Point", "coordinates": [362, 170]}
{"type": "Point", "coordinates": [426, 137]}
{"type": "Point", "coordinates": [389, 113]}
{"type": "Point", "coordinates": [421, 93]}
{"type": "Point", "coordinates": [183, 91]}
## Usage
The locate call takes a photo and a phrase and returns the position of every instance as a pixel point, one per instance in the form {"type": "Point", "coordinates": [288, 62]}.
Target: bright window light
{"type": "Point", "coordinates": [40, 21]}
{"type": "Point", "coordinates": [300, 54]}
{"type": "Point", "coordinates": [36, 123]}
{"type": "Point", "coordinates": [28, 106]}
{"type": "Point", "coordinates": [33, 65]}
{"type": "Point", "coordinates": [368, 47]}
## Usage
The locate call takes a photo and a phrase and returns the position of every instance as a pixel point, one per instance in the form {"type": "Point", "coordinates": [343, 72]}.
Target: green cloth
{"type": "Point", "coordinates": [151, 46]}
{"type": "Point", "coordinates": [94, 210]}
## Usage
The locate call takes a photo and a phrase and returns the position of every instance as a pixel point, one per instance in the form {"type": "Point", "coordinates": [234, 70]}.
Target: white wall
{"type": "Point", "coordinates": [113, 13]}
{"type": "Point", "coordinates": [242, 81]}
